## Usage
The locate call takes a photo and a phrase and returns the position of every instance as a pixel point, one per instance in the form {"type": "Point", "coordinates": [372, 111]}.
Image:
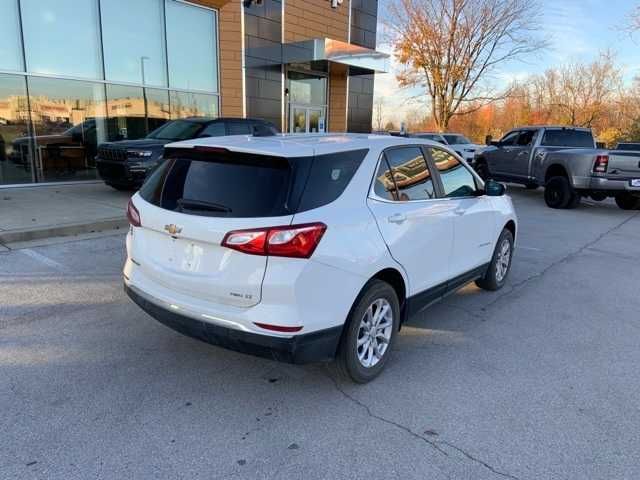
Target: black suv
{"type": "Point", "coordinates": [124, 165]}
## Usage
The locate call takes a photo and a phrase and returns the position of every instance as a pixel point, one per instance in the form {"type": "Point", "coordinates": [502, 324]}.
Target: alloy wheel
{"type": "Point", "coordinates": [503, 260]}
{"type": "Point", "coordinates": [374, 333]}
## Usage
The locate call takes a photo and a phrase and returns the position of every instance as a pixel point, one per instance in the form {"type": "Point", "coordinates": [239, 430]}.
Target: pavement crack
{"type": "Point", "coordinates": [404, 428]}
{"type": "Point", "coordinates": [477, 460]}
{"type": "Point", "coordinates": [436, 445]}
{"type": "Point", "coordinates": [516, 286]}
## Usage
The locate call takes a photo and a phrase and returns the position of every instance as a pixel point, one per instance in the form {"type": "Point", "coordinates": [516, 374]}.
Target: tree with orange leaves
{"type": "Point", "coordinates": [450, 47]}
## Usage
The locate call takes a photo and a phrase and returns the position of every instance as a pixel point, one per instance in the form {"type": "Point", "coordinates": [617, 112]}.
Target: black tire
{"type": "Point", "coordinates": [482, 169]}
{"type": "Point", "coordinates": [574, 202]}
{"type": "Point", "coordinates": [597, 197]}
{"type": "Point", "coordinates": [531, 186]}
{"type": "Point", "coordinates": [495, 277]}
{"type": "Point", "coordinates": [558, 192]}
{"type": "Point", "coordinates": [348, 359]}
{"type": "Point", "coordinates": [627, 201]}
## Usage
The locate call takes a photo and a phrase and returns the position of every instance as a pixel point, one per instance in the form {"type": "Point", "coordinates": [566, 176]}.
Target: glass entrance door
{"type": "Point", "coordinates": [304, 119]}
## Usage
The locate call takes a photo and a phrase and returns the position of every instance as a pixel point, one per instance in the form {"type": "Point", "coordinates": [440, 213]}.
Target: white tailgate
{"type": "Point", "coordinates": [192, 261]}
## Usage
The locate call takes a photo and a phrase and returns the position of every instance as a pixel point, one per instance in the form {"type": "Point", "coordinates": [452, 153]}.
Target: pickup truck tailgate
{"type": "Point", "coordinates": [625, 164]}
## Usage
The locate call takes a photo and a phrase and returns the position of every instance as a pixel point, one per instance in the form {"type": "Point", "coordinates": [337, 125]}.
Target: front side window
{"type": "Point", "coordinates": [62, 37]}
{"type": "Point", "coordinates": [239, 128]}
{"type": "Point", "coordinates": [216, 129]}
{"type": "Point", "coordinates": [510, 138]}
{"type": "Point", "coordinates": [407, 169]}
{"type": "Point", "coordinates": [176, 131]}
{"type": "Point", "coordinates": [457, 181]}
{"type": "Point", "coordinates": [525, 139]}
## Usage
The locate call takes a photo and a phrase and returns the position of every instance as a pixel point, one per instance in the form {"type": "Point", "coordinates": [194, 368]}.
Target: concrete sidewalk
{"type": "Point", "coordinates": [38, 212]}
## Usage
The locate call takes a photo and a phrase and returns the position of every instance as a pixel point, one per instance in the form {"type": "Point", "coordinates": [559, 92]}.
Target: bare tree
{"type": "Point", "coordinates": [633, 22]}
{"type": "Point", "coordinates": [580, 94]}
{"type": "Point", "coordinates": [451, 47]}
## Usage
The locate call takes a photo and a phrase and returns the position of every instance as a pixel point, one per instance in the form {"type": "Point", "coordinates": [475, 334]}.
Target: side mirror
{"type": "Point", "coordinates": [494, 189]}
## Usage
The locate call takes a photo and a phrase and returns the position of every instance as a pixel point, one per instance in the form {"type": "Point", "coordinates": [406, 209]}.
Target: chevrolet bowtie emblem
{"type": "Point", "coordinates": [173, 229]}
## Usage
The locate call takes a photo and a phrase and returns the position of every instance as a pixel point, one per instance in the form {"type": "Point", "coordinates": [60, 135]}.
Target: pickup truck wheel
{"type": "Point", "coordinates": [558, 192]}
{"type": "Point", "coordinates": [369, 332]}
{"type": "Point", "coordinates": [627, 201]}
{"type": "Point", "coordinates": [498, 270]}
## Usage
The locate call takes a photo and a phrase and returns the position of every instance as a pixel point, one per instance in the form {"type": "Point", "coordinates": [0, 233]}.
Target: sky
{"type": "Point", "coordinates": [577, 30]}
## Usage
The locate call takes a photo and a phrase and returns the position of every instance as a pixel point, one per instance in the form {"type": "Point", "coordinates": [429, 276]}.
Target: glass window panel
{"type": "Point", "coordinates": [69, 122]}
{"type": "Point", "coordinates": [192, 47]}
{"type": "Point", "coordinates": [10, 42]}
{"type": "Point", "coordinates": [15, 141]}
{"type": "Point", "coordinates": [214, 130]}
{"type": "Point", "coordinates": [134, 41]}
{"type": "Point", "coordinates": [412, 177]}
{"type": "Point", "coordinates": [307, 88]}
{"type": "Point", "coordinates": [61, 37]}
{"type": "Point", "coordinates": [129, 118]}
{"type": "Point", "coordinates": [457, 181]}
{"type": "Point", "coordinates": [184, 104]}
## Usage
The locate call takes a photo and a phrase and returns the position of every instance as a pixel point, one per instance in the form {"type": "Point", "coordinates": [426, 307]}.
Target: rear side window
{"type": "Point", "coordinates": [567, 138]}
{"type": "Point", "coordinates": [457, 181]}
{"type": "Point", "coordinates": [405, 171]}
{"type": "Point", "coordinates": [329, 176]}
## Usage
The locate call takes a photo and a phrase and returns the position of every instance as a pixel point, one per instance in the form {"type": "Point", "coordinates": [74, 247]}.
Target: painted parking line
{"type": "Point", "coordinates": [42, 259]}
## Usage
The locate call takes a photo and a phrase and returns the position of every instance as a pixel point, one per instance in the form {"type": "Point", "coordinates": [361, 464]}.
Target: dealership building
{"type": "Point", "coordinates": [77, 73]}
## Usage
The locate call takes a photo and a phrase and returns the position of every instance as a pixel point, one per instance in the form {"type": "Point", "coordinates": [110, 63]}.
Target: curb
{"type": "Point", "coordinates": [64, 230]}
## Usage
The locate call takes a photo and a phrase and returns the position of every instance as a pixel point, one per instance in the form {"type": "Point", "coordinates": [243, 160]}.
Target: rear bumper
{"type": "Point", "coordinates": [306, 348]}
{"type": "Point", "coordinates": [606, 184]}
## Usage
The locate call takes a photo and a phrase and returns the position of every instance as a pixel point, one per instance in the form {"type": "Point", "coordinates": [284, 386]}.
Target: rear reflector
{"type": "Point", "coordinates": [295, 241]}
{"type": "Point", "coordinates": [278, 328]}
{"type": "Point", "coordinates": [602, 163]}
{"type": "Point", "coordinates": [133, 215]}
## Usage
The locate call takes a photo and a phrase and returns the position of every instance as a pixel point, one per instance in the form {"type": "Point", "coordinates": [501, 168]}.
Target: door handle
{"type": "Point", "coordinates": [459, 211]}
{"type": "Point", "coordinates": [397, 218]}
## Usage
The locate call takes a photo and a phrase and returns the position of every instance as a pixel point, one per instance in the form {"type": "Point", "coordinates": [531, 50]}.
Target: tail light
{"type": "Point", "coordinates": [602, 163]}
{"type": "Point", "coordinates": [133, 215]}
{"type": "Point", "coordinates": [296, 241]}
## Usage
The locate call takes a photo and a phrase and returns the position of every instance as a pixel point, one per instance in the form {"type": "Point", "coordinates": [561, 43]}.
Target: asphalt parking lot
{"type": "Point", "coordinates": [537, 381]}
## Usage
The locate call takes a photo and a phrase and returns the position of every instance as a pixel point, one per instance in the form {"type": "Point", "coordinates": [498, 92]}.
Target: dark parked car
{"type": "Point", "coordinates": [124, 165]}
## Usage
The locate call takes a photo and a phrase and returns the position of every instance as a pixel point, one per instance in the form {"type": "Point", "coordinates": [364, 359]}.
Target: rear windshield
{"type": "Point", "coordinates": [568, 138]}
{"type": "Point", "coordinates": [229, 184]}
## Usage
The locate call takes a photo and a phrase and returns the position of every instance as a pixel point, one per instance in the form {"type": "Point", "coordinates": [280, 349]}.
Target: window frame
{"type": "Point", "coordinates": [437, 186]}
{"type": "Point", "coordinates": [477, 180]}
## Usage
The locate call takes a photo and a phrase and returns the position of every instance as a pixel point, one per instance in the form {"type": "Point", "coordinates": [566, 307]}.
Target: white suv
{"type": "Point", "coordinates": [307, 248]}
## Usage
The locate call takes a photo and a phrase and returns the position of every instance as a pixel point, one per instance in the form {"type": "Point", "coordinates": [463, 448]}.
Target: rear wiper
{"type": "Point", "coordinates": [198, 205]}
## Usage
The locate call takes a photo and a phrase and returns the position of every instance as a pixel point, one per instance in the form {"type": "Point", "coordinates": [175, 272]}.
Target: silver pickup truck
{"type": "Point", "coordinates": [566, 162]}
